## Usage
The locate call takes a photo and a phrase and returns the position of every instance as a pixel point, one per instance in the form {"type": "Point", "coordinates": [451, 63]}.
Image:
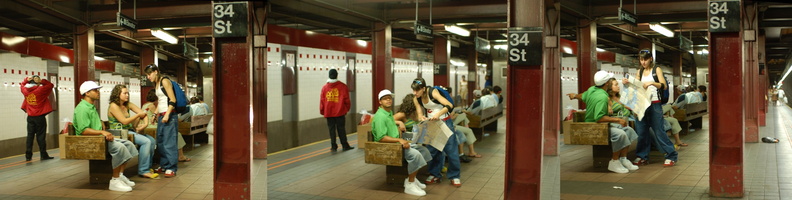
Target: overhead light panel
{"type": "Point", "coordinates": [162, 35]}
{"type": "Point", "coordinates": [457, 30]}
{"type": "Point", "coordinates": [661, 29]}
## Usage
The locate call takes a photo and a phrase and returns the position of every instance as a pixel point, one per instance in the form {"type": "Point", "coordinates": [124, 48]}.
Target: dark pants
{"type": "Point", "coordinates": [336, 124]}
{"type": "Point", "coordinates": [36, 127]}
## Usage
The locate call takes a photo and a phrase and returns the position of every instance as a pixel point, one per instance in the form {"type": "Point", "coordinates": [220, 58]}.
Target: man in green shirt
{"type": "Point", "coordinates": [384, 129]}
{"type": "Point", "coordinates": [87, 122]}
{"type": "Point", "coordinates": [596, 99]}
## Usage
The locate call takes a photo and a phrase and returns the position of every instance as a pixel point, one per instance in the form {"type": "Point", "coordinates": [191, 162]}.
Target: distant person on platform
{"type": "Point", "coordinates": [37, 106]}
{"type": "Point", "coordinates": [334, 104]}
{"type": "Point", "coordinates": [487, 81]}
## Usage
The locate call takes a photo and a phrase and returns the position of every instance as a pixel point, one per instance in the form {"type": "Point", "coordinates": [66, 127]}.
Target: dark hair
{"type": "Point", "coordinates": [609, 86]}
{"type": "Point", "coordinates": [407, 107]}
{"type": "Point", "coordinates": [418, 84]}
{"type": "Point", "coordinates": [333, 74]}
{"type": "Point", "coordinates": [193, 100]}
{"type": "Point", "coordinates": [496, 89]}
{"type": "Point", "coordinates": [115, 95]}
{"type": "Point", "coordinates": [151, 68]}
{"type": "Point", "coordinates": [485, 91]}
{"type": "Point", "coordinates": [152, 95]}
{"type": "Point", "coordinates": [645, 54]}
{"type": "Point", "coordinates": [449, 89]}
{"type": "Point", "coordinates": [702, 88]}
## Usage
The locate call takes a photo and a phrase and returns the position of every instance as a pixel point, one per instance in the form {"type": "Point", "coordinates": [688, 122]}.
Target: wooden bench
{"type": "Point", "coordinates": [692, 113]}
{"type": "Point", "coordinates": [488, 120]}
{"type": "Point", "coordinates": [389, 154]}
{"type": "Point", "coordinates": [595, 134]}
{"type": "Point", "coordinates": [195, 128]}
{"type": "Point", "coordinates": [94, 149]}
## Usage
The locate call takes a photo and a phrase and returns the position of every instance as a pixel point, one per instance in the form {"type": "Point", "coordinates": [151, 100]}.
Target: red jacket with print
{"type": "Point", "coordinates": [36, 102]}
{"type": "Point", "coordinates": [334, 100]}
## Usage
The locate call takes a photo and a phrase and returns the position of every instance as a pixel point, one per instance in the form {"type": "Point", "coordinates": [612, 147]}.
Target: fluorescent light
{"type": "Point", "coordinates": [567, 50]}
{"type": "Point", "coordinates": [98, 58]}
{"type": "Point", "coordinates": [704, 51]}
{"type": "Point", "coordinates": [361, 43]}
{"type": "Point", "coordinates": [784, 77]}
{"type": "Point", "coordinates": [457, 30]}
{"type": "Point", "coordinates": [500, 46]}
{"type": "Point", "coordinates": [691, 51]}
{"type": "Point", "coordinates": [162, 35]}
{"type": "Point", "coordinates": [600, 50]}
{"type": "Point", "coordinates": [661, 29]}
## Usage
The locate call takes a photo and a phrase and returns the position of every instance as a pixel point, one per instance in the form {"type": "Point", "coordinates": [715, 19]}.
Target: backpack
{"type": "Point", "coordinates": [442, 91]}
{"type": "Point", "coordinates": [663, 91]}
{"type": "Point", "coordinates": [181, 99]}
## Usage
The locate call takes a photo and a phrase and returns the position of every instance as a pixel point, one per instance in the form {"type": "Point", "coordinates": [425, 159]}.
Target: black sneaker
{"type": "Point", "coordinates": [348, 148]}
{"type": "Point", "coordinates": [465, 159]}
{"type": "Point", "coordinates": [47, 158]}
{"type": "Point", "coordinates": [333, 149]}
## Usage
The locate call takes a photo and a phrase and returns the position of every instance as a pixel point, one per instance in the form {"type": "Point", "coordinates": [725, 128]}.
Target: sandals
{"type": "Point", "coordinates": [683, 145]}
{"type": "Point", "coordinates": [475, 156]}
{"type": "Point", "coordinates": [186, 160]}
{"type": "Point", "coordinates": [150, 175]}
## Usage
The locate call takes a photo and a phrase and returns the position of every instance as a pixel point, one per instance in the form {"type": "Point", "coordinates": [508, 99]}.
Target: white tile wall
{"type": "Point", "coordinates": [13, 69]}
{"type": "Point", "coordinates": [427, 72]}
{"type": "Point", "coordinates": [134, 91]}
{"type": "Point", "coordinates": [364, 83]}
{"type": "Point", "coordinates": [404, 72]}
{"type": "Point", "coordinates": [274, 83]}
{"type": "Point", "coordinates": [66, 94]}
{"type": "Point", "coordinates": [569, 83]}
{"type": "Point", "coordinates": [313, 66]}
{"type": "Point", "coordinates": [458, 72]}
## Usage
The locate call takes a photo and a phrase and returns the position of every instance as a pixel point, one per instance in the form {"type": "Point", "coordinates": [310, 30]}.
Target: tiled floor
{"type": "Point", "coordinates": [313, 172]}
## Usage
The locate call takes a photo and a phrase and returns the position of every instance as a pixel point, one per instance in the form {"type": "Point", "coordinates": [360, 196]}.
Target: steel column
{"type": "Point", "coordinates": [751, 73]}
{"type": "Point", "coordinates": [260, 85]}
{"type": "Point", "coordinates": [726, 130]}
{"type": "Point", "coordinates": [383, 65]}
{"type": "Point", "coordinates": [552, 86]}
{"type": "Point", "coordinates": [442, 53]}
{"type": "Point", "coordinates": [586, 55]}
{"type": "Point", "coordinates": [524, 138]}
{"type": "Point", "coordinates": [232, 70]}
{"type": "Point", "coordinates": [84, 64]}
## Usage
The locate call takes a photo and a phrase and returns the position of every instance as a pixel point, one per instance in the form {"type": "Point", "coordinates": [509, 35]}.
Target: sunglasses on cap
{"type": "Point", "coordinates": [645, 50]}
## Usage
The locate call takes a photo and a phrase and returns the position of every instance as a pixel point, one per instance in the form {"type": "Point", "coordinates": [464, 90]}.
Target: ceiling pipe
{"type": "Point", "coordinates": [326, 4]}
{"type": "Point", "coordinates": [53, 10]}
{"type": "Point", "coordinates": [628, 32]}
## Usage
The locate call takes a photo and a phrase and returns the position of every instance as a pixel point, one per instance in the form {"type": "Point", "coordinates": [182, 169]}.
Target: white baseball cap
{"type": "Point", "coordinates": [88, 86]}
{"type": "Point", "coordinates": [384, 93]}
{"type": "Point", "coordinates": [601, 77]}
{"type": "Point", "coordinates": [477, 93]}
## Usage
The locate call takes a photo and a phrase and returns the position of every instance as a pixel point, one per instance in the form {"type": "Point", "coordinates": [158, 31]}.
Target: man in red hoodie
{"type": "Point", "coordinates": [334, 105]}
{"type": "Point", "coordinates": [37, 105]}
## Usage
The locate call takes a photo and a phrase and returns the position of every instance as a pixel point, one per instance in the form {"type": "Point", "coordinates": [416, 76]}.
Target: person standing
{"type": "Point", "coordinates": [37, 105]}
{"type": "Point", "coordinates": [167, 121]}
{"type": "Point", "coordinates": [431, 105]}
{"type": "Point", "coordinates": [463, 90]}
{"type": "Point", "coordinates": [333, 105]}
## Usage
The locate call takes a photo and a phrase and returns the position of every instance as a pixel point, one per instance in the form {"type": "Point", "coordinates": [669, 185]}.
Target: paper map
{"type": "Point", "coordinates": [434, 133]}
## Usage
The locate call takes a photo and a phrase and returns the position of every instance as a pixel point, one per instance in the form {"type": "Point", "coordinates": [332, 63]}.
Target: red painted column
{"type": "Point", "coordinates": [552, 85]}
{"type": "Point", "coordinates": [181, 72]}
{"type": "Point", "coordinates": [751, 76]}
{"type": "Point", "coordinates": [260, 86]}
{"type": "Point", "coordinates": [726, 130]}
{"type": "Point", "coordinates": [84, 64]}
{"type": "Point", "coordinates": [442, 53]}
{"type": "Point", "coordinates": [676, 68]}
{"type": "Point", "coordinates": [232, 69]}
{"type": "Point", "coordinates": [524, 138]}
{"type": "Point", "coordinates": [471, 63]}
{"type": "Point", "coordinates": [146, 58]}
{"type": "Point", "coordinates": [383, 57]}
{"type": "Point", "coordinates": [586, 55]}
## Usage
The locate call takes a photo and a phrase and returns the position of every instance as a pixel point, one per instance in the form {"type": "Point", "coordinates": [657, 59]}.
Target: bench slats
{"type": "Point", "coordinates": [588, 133]}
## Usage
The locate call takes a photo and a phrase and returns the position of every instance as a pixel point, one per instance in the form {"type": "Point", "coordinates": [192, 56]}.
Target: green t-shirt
{"type": "Point", "coordinates": [620, 111]}
{"type": "Point", "coordinates": [86, 116]}
{"type": "Point", "coordinates": [383, 125]}
{"type": "Point", "coordinates": [596, 100]}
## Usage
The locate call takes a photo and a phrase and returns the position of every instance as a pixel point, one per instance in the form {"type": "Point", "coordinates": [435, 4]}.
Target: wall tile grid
{"type": "Point", "coordinates": [66, 94]}
{"type": "Point", "coordinates": [427, 72]}
{"type": "Point", "coordinates": [134, 91]}
{"type": "Point", "coordinates": [312, 69]}
{"type": "Point", "coordinates": [404, 72]}
{"type": "Point", "coordinates": [569, 83]}
{"type": "Point", "coordinates": [363, 78]}
{"type": "Point", "coordinates": [14, 69]}
{"type": "Point", "coordinates": [274, 85]}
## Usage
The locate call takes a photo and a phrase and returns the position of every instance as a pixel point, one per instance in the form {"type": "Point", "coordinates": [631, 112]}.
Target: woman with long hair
{"type": "Point", "coordinates": [653, 117]}
{"type": "Point", "coordinates": [167, 121]}
{"type": "Point", "coordinates": [120, 119]}
{"type": "Point", "coordinates": [437, 107]}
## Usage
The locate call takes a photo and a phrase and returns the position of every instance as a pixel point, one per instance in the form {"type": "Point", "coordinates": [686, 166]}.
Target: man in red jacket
{"type": "Point", "coordinates": [37, 105]}
{"type": "Point", "coordinates": [334, 105]}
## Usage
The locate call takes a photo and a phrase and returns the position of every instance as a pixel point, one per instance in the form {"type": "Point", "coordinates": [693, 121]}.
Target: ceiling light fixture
{"type": "Point", "coordinates": [162, 35]}
{"type": "Point", "coordinates": [457, 30]}
{"type": "Point", "coordinates": [661, 29]}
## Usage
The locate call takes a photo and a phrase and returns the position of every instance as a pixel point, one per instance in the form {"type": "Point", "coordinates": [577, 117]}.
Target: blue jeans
{"type": "Point", "coordinates": [167, 142]}
{"type": "Point", "coordinates": [438, 158]}
{"type": "Point", "coordinates": [147, 146]}
{"type": "Point", "coordinates": [653, 119]}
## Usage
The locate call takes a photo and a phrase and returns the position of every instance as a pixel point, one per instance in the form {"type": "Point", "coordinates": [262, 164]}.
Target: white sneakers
{"type": "Point", "coordinates": [413, 188]}
{"type": "Point", "coordinates": [627, 164]}
{"type": "Point", "coordinates": [417, 182]}
{"type": "Point", "coordinates": [121, 184]}
{"type": "Point", "coordinates": [616, 166]}
{"type": "Point", "coordinates": [126, 180]}
{"type": "Point", "coordinates": [116, 184]}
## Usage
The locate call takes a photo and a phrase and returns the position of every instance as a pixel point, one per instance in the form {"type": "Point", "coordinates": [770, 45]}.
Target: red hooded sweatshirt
{"type": "Point", "coordinates": [36, 101]}
{"type": "Point", "coordinates": [334, 99]}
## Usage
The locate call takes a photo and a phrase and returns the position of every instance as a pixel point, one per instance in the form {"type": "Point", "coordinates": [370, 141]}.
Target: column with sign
{"type": "Point", "coordinates": [525, 46]}
{"type": "Point", "coordinates": [727, 126]}
{"type": "Point", "coordinates": [232, 68]}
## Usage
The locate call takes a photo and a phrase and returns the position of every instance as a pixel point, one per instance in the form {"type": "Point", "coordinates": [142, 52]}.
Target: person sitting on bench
{"type": "Point", "coordinates": [87, 122]}
{"type": "Point", "coordinates": [384, 129]}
